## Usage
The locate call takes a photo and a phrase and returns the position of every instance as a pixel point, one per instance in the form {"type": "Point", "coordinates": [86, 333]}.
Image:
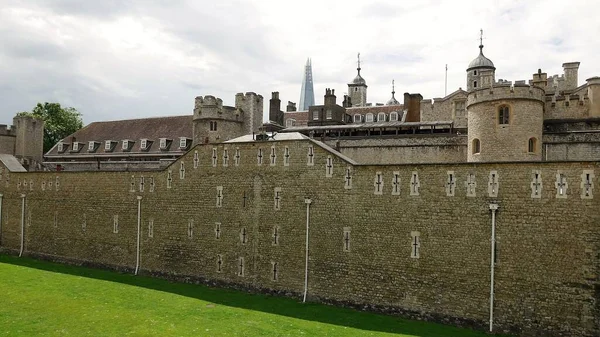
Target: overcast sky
{"type": "Point", "coordinates": [114, 59]}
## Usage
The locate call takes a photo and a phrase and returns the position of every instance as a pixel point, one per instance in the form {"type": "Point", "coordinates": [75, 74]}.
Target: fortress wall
{"type": "Point", "coordinates": [418, 149]}
{"type": "Point", "coordinates": [445, 111]}
{"type": "Point", "coordinates": [547, 247]}
{"type": "Point", "coordinates": [567, 108]}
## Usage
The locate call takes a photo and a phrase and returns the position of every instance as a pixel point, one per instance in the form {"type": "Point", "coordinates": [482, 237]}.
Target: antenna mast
{"type": "Point", "coordinates": [446, 82]}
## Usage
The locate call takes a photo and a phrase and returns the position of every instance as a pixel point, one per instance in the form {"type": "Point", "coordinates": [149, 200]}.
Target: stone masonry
{"type": "Point", "coordinates": [412, 239]}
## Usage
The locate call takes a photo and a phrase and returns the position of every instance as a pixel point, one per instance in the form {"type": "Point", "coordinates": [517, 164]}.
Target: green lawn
{"type": "Point", "coordinates": [46, 299]}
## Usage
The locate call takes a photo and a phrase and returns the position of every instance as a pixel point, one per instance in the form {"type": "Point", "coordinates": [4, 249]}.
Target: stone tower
{"type": "Point", "coordinates": [307, 93]}
{"type": "Point", "coordinates": [29, 140]}
{"type": "Point", "coordinates": [594, 96]}
{"type": "Point", "coordinates": [505, 123]}
{"type": "Point", "coordinates": [215, 122]}
{"type": "Point", "coordinates": [481, 71]}
{"type": "Point", "coordinates": [357, 90]}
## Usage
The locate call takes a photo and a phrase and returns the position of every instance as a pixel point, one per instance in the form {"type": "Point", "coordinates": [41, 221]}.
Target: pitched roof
{"type": "Point", "coordinates": [153, 129]}
{"type": "Point", "coordinates": [12, 163]}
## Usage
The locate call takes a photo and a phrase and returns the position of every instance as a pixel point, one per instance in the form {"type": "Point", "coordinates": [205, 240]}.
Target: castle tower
{"type": "Point", "coordinates": [214, 122]}
{"type": "Point", "coordinates": [481, 71]}
{"type": "Point", "coordinates": [357, 90]}
{"type": "Point", "coordinates": [307, 92]}
{"type": "Point", "coordinates": [393, 100]}
{"type": "Point", "coordinates": [29, 140]}
{"type": "Point", "coordinates": [505, 123]}
{"type": "Point", "coordinates": [594, 96]}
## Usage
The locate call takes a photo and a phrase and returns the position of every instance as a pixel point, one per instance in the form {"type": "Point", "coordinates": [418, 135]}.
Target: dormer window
{"type": "Point", "coordinates": [357, 118]}
{"type": "Point", "coordinates": [75, 146]}
{"type": "Point", "coordinates": [61, 147]}
{"type": "Point", "coordinates": [183, 141]}
{"type": "Point", "coordinates": [393, 116]}
{"type": "Point", "coordinates": [143, 143]}
{"type": "Point", "coordinates": [381, 117]}
{"type": "Point", "coordinates": [163, 143]}
{"type": "Point", "coordinates": [91, 146]}
{"type": "Point", "coordinates": [126, 144]}
{"type": "Point", "coordinates": [108, 145]}
{"type": "Point", "coordinates": [369, 118]}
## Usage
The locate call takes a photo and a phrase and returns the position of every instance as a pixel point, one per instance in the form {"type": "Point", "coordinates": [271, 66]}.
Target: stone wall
{"type": "Point", "coordinates": [404, 150]}
{"type": "Point", "coordinates": [209, 207]}
{"type": "Point", "coordinates": [450, 108]}
{"type": "Point", "coordinates": [7, 144]}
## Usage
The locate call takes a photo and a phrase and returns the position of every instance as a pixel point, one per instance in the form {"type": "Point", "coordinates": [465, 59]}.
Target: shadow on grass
{"type": "Point", "coordinates": [264, 303]}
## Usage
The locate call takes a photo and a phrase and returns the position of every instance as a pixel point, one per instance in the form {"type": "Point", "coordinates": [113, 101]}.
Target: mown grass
{"type": "Point", "coordinates": [40, 298]}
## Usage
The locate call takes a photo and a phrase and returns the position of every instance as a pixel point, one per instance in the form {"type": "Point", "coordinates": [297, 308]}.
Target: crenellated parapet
{"type": "Point", "coordinates": [210, 107]}
{"type": "Point", "coordinates": [505, 92]}
{"type": "Point", "coordinates": [7, 131]}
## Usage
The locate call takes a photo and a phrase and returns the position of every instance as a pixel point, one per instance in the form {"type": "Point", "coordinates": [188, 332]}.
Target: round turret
{"type": "Point", "coordinates": [505, 123]}
{"type": "Point", "coordinates": [481, 72]}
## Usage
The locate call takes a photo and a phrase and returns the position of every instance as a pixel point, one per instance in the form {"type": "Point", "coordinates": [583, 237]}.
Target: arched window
{"type": "Point", "coordinates": [474, 84]}
{"type": "Point", "coordinates": [393, 116]}
{"type": "Point", "coordinates": [381, 117]}
{"type": "Point", "coordinates": [369, 117]}
{"type": "Point", "coordinates": [503, 114]}
{"type": "Point", "coordinates": [476, 146]}
{"type": "Point", "coordinates": [532, 145]}
{"type": "Point", "coordinates": [357, 118]}
{"type": "Point", "coordinates": [290, 122]}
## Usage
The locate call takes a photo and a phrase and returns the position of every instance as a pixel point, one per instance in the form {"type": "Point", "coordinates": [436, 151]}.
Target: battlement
{"type": "Point", "coordinates": [211, 107]}
{"type": "Point", "coordinates": [6, 130]}
{"type": "Point", "coordinates": [517, 91]}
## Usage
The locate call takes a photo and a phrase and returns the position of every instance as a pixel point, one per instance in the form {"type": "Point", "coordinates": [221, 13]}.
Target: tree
{"type": "Point", "coordinates": [59, 122]}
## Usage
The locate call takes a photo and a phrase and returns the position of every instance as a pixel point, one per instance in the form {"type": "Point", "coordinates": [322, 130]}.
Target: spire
{"type": "Point", "coordinates": [358, 79]}
{"type": "Point", "coordinates": [393, 100]}
{"type": "Point", "coordinates": [481, 41]}
{"type": "Point", "coordinates": [307, 93]}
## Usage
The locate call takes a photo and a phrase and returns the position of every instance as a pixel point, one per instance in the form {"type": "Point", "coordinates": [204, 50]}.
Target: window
{"type": "Point", "coordinates": [143, 144]}
{"type": "Point", "coordinates": [329, 114]}
{"type": "Point", "coordinates": [459, 108]}
{"type": "Point", "coordinates": [125, 145]}
{"type": "Point", "coordinates": [163, 143]}
{"type": "Point", "coordinates": [474, 84]}
{"type": "Point", "coordinates": [393, 116]}
{"type": "Point", "coordinates": [369, 117]}
{"type": "Point", "coordinates": [91, 146]}
{"type": "Point", "coordinates": [357, 118]}
{"type": "Point", "coordinates": [503, 114]}
{"type": "Point", "coordinates": [213, 126]}
{"type": "Point", "coordinates": [381, 117]}
{"type": "Point", "coordinates": [531, 145]}
{"type": "Point", "coordinates": [75, 146]}
{"type": "Point", "coordinates": [315, 115]}
{"type": "Point", "coordinates": [476, 146]}
{"type": "Point", "coordinates": [182, 142]}
{"type": "Point", "coordinates": [61, 147]}
{"type": "Point", "coordinates": [107, 145]}
{"type": "Point", "coordinates": [475, 72]}
{"type": "Point", "coordinates": [290, 122]}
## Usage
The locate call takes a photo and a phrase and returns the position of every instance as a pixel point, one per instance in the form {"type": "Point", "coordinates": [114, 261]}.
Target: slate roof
{"type": "Point", "coordinates": [152, 129]}
{"type": "Point", "coordinates": [12, 163]}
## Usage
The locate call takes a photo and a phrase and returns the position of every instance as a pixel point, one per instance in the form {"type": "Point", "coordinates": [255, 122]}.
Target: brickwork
{"type": "Point", "coordinates": [216, 222]}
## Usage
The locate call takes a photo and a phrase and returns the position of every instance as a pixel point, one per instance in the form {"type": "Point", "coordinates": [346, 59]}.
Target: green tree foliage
{"type": "Point", "coordinates": [59, 122]}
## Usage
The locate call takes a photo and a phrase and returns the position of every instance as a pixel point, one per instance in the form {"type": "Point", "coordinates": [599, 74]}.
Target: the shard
{"type": "Point", "coordinates": [307, 93]}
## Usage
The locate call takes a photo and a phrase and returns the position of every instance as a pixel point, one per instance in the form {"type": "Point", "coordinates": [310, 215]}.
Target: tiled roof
{"type": "Point", "coordinates": [151, 129]}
